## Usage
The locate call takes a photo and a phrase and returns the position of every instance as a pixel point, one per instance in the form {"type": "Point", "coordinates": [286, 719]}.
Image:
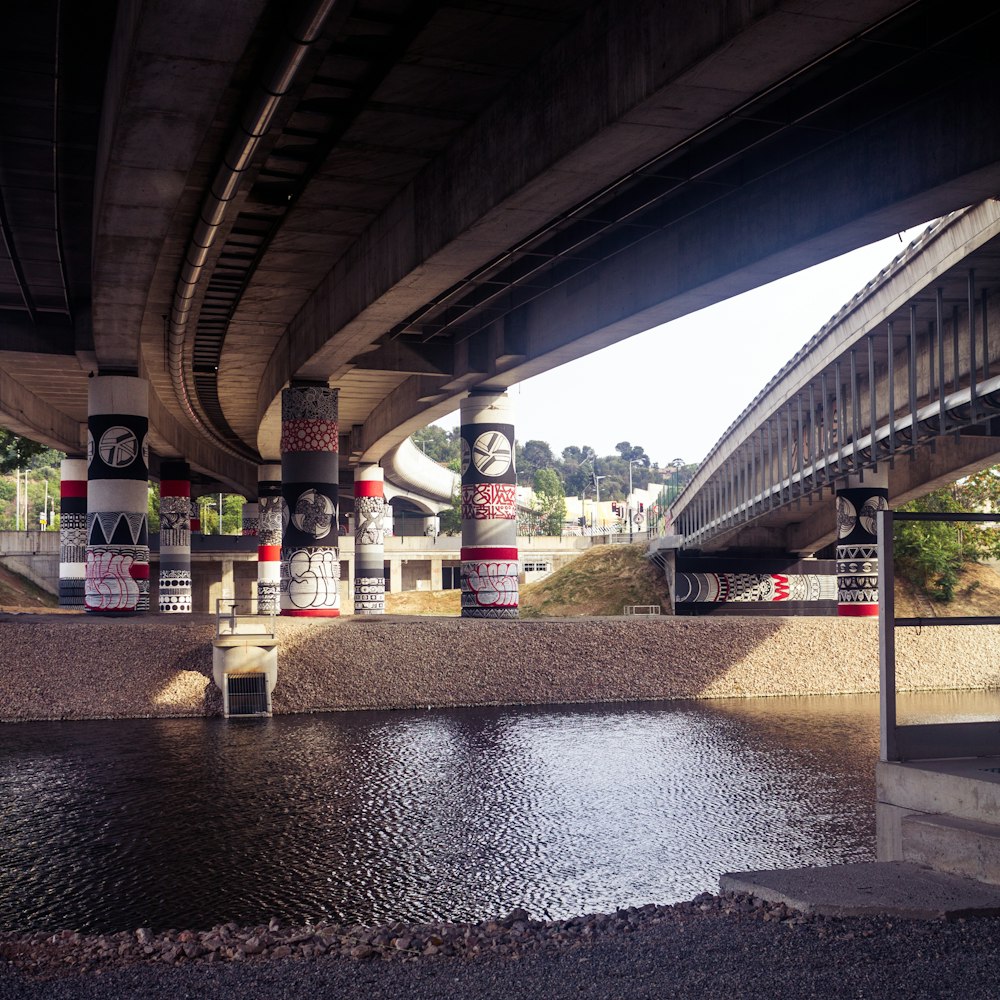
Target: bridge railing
{"type": "Point", "coordinates": [930, 369]}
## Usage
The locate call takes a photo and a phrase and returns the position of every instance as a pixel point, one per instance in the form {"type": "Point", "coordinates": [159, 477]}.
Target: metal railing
{"type": "Point", "coordinates": [926, 741]}
{"type": "Point", "coordinates": [241, 616]}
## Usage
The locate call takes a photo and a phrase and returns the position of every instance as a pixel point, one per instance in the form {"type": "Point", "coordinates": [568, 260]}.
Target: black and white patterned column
{"type": "Point", "coordinates": [175, 538]}
{"type": "Point", "coordinates": [310, 469]}
{"type": "Point", "coordinates": [857, 545]}
{"type": "Point", "coordinates": [369, 541]}
{"type": "Point", "coordinates": [249, 519]}
{"type": "Point", "coordinates": [489, 508]}
{"type": "Point", "coordinates": [117, 495]}
{"type": "Point", "coordinates": [72, 532]}
{"type": "Point", "coordinates": [269, 538]}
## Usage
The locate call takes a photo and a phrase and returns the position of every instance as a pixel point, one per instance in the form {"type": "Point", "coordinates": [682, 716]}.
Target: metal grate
{"type": "Point", "coordinates": [246, 695]}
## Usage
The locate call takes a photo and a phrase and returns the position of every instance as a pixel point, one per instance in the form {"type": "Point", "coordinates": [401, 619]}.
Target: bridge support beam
{"type": "Point", "coordinates": [489, 508]}
{"type": "Point", "coordinates": [269, 538]}
{"type": "Point", "coordinates": [857, 543]}
{"type": "Point", "coordinates": [175, 538]}
{"type": "Point", "coordinates": [310, 467]}
{"type": "Point", "coordinates": [117, 580]}
{"type": "Point", "coordinates": [369, 540]}
{"type": "Point", "coordinates": [72, 531]}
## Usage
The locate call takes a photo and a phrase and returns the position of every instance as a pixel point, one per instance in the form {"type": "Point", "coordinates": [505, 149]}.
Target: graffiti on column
{"type": "Point", "coordinates": [269, 539]}
{"type": "Point", "coordinates": [117, 574]}
{"type": "Point", "coordinates": [857, 549]}
{"type": "Point", "coordinates": [369, 542]}
{"type": "Point", "coordinates": [489, 510]}
{"type": "Point", "coordinates": [310, 560]}
{"type": "Point", "coordinates": [72, 532]}
{"type": "Point", "coordinates": [175, 539]}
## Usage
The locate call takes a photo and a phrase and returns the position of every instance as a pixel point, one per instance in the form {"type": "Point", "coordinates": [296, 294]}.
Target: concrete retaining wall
{"type": "Point", "coordinates": [69, 666]}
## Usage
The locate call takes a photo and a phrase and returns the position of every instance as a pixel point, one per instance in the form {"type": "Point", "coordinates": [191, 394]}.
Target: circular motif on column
{"type": "Point", "coordinates": [847, 517]}
{"type": "Point", "coordinates": [314, 514]}
{"type": "Point", "coordinates": [118, 447]}
{"type": "Point", "coordinates": [491, 454]}
{"type": "Point", "coordinates": [466, 457]}
{"type": "Point", "coordinates": [869, 510]}
{"type": "Point", "coordinates": [90, 447]}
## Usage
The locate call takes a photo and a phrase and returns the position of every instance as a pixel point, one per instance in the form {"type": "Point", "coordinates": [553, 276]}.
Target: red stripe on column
{"type": "Point", "coordinates": [175, 488]}
{"type": "Point", "coordinates": [368, 488]}
{"type": "Point", "coordinates": [857, 610]}
{"type": "Point", "coordinates": [317, 613]}
{"type": "Point", "coordinates": [139, 571]}
{"type": "Point", "coordinates": [476, 552]}
{"type": "Point", "coordinates": [269, 553]}
{"type": "Point", "coordinates": [73, 488]}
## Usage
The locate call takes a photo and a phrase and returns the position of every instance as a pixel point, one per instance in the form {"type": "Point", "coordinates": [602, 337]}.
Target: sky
{"type": "Point", "coordinates": [658, 400]}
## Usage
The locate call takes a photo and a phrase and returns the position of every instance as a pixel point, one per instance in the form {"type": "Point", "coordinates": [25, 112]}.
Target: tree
{"type": "Point", "coordinates": [550, 501]}
{"type": "Point", "coordinates": [439, 445]}
{"type": "Point", "coordinates": [23, 453]}
{"type": "Point", "coordinates": [932, 554]}
{"type": "Point", "coordinates": [532, 456]}
{"type": "Point", "coordinates": [451, 517]}
{"type": "Point", "coordinates": [634, 453]}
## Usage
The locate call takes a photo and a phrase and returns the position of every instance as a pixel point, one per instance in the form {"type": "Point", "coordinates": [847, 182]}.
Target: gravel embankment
{"type": "Point", "coordinates": [713, 946]}
{"type": "Point", "coordinates": [68, 667]}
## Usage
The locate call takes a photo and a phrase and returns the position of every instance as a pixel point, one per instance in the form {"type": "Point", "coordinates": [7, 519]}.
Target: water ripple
{"type": "Point", "coordinates": [458, 814]}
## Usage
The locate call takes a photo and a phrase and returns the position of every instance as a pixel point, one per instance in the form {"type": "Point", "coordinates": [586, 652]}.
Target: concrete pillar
{"type": "Point", "coordinates": [175, 538]}
{"type": "Point", "coordinates": [436, 572]}
{"type": "Point", "coordinates": [195, 517]}
{"type": "Point", "coordinates": [489, 508]}
{"type": "Point", "coordinates": [72, 531]}
{"type": "Point", "coordinates": [117, 580]}
{"type": "Point", "coordinates": [269, 538]}
{"type": "Point", "coordinates": [388, 519]}
{"type": "Point", "coordinates": [857, 541]}
{"type": "Point", "coordinates": [250, 519]}
{"type": "Point", "coordinates": [369, 541]}
{"type": "Point", "coordinates": [395, 574]}
{"type": "Point", "coordinates": [310, 561]}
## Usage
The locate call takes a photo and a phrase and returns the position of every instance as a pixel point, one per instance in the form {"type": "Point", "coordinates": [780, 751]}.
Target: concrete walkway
{"type": "Point", "coordinates": [887, 888]}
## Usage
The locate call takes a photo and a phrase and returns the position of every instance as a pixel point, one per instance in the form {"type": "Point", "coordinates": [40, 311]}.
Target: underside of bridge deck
{"type": "Point", "coordinates": [409, 199]}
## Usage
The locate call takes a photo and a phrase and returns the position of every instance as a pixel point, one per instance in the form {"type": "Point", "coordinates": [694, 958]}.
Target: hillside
{"type": "Point", "coordinates": [19, 594]}
{"type": "Point", "coordinates": [600, 582]}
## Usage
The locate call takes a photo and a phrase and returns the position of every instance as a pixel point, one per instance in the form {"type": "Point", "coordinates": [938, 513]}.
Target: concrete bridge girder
{"type": "Point", "coordinates": [463, 210]}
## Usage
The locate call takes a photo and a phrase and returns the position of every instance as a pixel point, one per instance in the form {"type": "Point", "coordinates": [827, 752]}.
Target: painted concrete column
{"type": "Point", "coordinates": [857, 544]}
{"type": "Point", "coordinates": [175, 538]}
{"type": "Point", "coordinates": [489, 508]}
{"type": "Point", "coordinates": [72, 531]}
{"type": "Point", "coordinates": [195, 517]}
{"type": "Point", "coordinates": [269, 538]}
{"type": "Point", "coordinates": [369, 541]}
{"type": "Point", "coordinates": [250, 519]}
{"type": "Point", "coordinates": [117, 580]}
{"type": "Point", "coordinates": [310, 469]}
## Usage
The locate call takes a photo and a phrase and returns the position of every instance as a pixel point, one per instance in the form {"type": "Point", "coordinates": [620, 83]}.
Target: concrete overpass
{"type": "Point", "coordinates": [848, 402]}
{"type": "Point", "coordinates": [412, 199]}
{"type": "Point", "coordinates": [898, 394]}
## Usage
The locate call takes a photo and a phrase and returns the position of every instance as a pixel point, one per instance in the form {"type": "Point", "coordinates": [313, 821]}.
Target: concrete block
{"type": "Point", "coordinates": [966, 789]}
{"type": "Point", "coordinates": [958, 846]}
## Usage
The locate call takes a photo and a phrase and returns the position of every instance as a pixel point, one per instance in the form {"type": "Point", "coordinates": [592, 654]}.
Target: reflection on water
{"type": "Point", "coordinates": [455, 814]}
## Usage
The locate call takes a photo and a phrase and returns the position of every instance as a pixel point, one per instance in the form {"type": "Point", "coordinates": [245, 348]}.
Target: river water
{"type": "Point", "coordinates": [458, 814]}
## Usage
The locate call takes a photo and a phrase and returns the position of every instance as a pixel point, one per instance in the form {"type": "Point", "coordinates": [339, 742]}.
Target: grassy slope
{"type": "Point", "coordinates": [17, 593]}
{"type": "Point", "coordinates": [600, 582]}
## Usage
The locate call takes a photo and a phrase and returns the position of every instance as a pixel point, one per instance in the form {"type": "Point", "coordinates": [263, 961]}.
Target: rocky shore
{"type": "Point", "coordinates": [67, 952]}
{"type": "Point", "coordinates": [710, 947]}
{"type": "Point", "coordinates": [73, 667]}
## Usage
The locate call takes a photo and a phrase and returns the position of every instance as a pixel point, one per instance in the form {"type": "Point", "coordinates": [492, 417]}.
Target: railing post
{"type": "Point", "coordinates": [886, 639]}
